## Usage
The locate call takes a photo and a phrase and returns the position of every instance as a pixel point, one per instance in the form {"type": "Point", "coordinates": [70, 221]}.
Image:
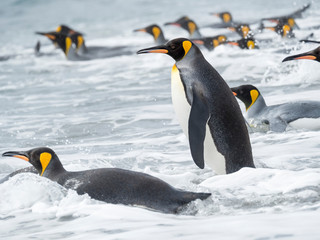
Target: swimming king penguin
{"type": "Point", "coordinates": [187, 24]}
{"type": "Point", "coordinates": [206, 109]}
{"type": "Point", "coordinates": [210, 42]}
{"type": "Point", "coordinates": [111, 185]}
{"type": "Point", "coordinates": [155, 31]}
{"type": "Point", "coordinates": [311, 55]}
{"type": "Point", "coordinates": [302, 114]}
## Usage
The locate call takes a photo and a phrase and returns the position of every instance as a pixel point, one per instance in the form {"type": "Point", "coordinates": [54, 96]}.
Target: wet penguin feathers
{"type": "Point", "coordinates": [111, 185]}
{"type": "Point", "coordinates": [206, 109]}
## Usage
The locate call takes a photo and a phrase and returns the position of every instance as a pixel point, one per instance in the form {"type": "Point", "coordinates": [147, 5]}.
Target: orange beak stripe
{"type": "Point", "coordinates": [233, 43]}
{"type": "Point", "coordinates": [50, 36]}
{"type": "Point", "coordinates": [141, 30]}
{"type": "Point", "coordinates": [159, 51]}
{"type": "Point", "coordinates": [22, 157]}
{"type": "Point", "coordinates": [198, 42]}
{"type": "Point", "coordinates": [306, 57]}
{"type": "Point", "coordinates": [235, 94]}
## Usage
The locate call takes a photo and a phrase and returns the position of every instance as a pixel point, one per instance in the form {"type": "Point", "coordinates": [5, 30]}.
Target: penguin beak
{"type": "Point", "coordinates": [140, 30]}
{"type": "Point", "coordinates": [21, 155]}
{"type": "Point", "coordinates": [271, 28]}
{"type": "Point", "coordinates": [309, 41]}
{"type": "Point", "coordinates": [173, 23]}
{"type": "Point", "coordinates": [48, 35]}
{"type": "Point", "coordinates": [307, 55]}
{"type": "Point", "coordinates": [232, 29]}
{"type": "Point", "coordinates": [198, 41]}
{"type": "Point", "coordinates": [233, 43]}
{"type": "Point", "coordinates": [234, 93]}
{"type": "Point", "coordinates": [157, 49]}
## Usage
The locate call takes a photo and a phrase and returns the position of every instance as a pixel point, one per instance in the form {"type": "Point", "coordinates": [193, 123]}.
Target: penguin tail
{"type": "Point", "coordinates": [191, 196]}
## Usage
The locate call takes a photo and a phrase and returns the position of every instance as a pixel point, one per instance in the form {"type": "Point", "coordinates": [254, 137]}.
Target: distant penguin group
{"type": "Point", "coordinates": [206, 108]}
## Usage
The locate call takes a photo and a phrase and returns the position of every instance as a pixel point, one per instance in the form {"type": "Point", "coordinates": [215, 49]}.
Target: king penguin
{"type": "Point", "coordinates": [303, 114]}
{"type": "Point", "coordinates": [210, 43]}
{"type": "Point", "coordinates": [187, 24]}
{"type": "Point", "coordinates": [111, 185]}
{"type": "Point", "coordinates": [244, 43]}
{"type": "Point", "coordinates": [155, 31]}
{"type": "Point", "coordinates": [206, 109]}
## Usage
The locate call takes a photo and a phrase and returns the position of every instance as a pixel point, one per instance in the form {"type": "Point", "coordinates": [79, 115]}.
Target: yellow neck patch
{"type": "Point", "coordinates": [226, 17]}
{"type": "Point", "coordinates": [156, 32]}
{"type": "Point", "coordinates": [68, 45]}
{"type": "Point", "coordinates": [58, 29]}
{"type": "Point", "coordinates": [186, 46]}
{"type": "Point", "coordinates": [254, 95]}
{"type": "Point", "coordinates": [291, 22]}
{"type": "Point", "coordinates": [245, 31]}
{"type": "Point", "coordinates": [215, 42]}
{"type": "Point", "coordinates": [222, 39]}
{"type": "Point", "coordinates": [45, 158]}
{"type": "Point", "coordinates": [80, 42]}
{"type": "Point", "coordinates": [286, 30]}
{"type": "Point", "coordinates": [191, 27]}
{"type": "Point", "coordinates": [250, 44]}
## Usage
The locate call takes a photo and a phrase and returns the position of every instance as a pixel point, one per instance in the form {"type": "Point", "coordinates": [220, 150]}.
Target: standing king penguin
{"type": "Point", "coordinates": [206, 109]}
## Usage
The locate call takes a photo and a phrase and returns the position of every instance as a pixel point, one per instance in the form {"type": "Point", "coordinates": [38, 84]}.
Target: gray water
{"type": "Point", "coordinates": [117, 112]}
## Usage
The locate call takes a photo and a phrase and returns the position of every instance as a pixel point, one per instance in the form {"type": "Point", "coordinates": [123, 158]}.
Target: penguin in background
{"type": "Point", "coordinates": [75, 49]}
{"type": "Point", "coordinates": [226, 20]}
{"type": "Point", "coordinates": [206, 109]}
{"type": "Point", "coordinates": [111, 185]}
{"type": "Point", "coordinates": [300, 114]}
{"type": "Point", "coordinates": [225, 17]}
{"type": "Point", "coordinates": [65, 43]}
{"type": "Point", "coordinates": [155, 31]}
{"type": "Point", "coordinates": [284, 30]}
{"type": "Point", "coordinates": [210, 43]}
{"type": "Point", "coordinates": [243, 30]}
{"type": "Point", "coordinates": [187, 24]}
{"type": "Point", "coordinates": [244, 43]}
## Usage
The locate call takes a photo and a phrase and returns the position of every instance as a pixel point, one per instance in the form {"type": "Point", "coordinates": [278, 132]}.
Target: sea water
{"type": "Point", "coordinates": [117, 112]}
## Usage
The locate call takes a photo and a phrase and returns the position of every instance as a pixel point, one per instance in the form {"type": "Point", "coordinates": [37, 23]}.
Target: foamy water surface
{"type": "Point", "coordinates": [117, 112]}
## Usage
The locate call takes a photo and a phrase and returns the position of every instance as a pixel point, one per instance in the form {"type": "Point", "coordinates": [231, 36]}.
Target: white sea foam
{"type": "Point", "coordinates": [117, 112]}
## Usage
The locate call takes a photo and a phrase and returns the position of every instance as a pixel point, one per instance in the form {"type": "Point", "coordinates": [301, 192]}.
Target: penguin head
{"type": "Point", "coordinates": [49, 35]}
{"type": "Point", "coordinates": [62, 40]}
{"type": "Point", "coordinates": [226, 17]}
{"type": "Point", "coordinates": [244, 43]}
{"type": "Point", "coordinates": [248, 94]}
{"type": "Point", "coordinates": [242, 29]}
{"type": "Point", "coordinates": [186, 23]}
{"type": "Point", "coordinates": [64, 29]}
{"type": "Point", "coordinates": [153, 29]}
{"type": "Point", "coordinates": [284, 20]}
{"type": "Point", "coordinates": [43, 159]}
{"type": "Point", "coordinates": [211, 42]}
{"type": "Point", "coordinates": [311, 55]}
{"type": "Point", "coordinates": [282, 29]}
{"type": "Point", "coordinates": [177, 48]}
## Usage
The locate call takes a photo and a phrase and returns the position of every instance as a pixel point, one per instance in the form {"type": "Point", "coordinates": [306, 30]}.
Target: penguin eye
{"type": "Point", "coordinates": [172, 46]}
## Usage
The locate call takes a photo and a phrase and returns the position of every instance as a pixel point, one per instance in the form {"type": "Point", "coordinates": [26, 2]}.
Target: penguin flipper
{"type": "Point", "coordinates": [198, 118]}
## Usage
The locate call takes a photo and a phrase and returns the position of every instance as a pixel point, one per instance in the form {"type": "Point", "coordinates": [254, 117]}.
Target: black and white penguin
{"type": "Point", "coordinates": [155, 31]}
{"type": "Point", "coordinates": [111, 185]}
{"type": "Point", "coordinates": [303, 114]}
{"type": "Point", "coordinates": [206, 109]}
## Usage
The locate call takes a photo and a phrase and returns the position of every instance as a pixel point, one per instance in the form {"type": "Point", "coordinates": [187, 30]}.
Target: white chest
{"type": "Point", "coordinates": [182, 108]}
